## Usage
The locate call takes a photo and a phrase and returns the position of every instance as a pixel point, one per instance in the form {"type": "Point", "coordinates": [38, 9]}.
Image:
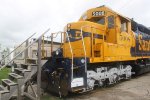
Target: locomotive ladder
{"type": "Point", "coordinates": [85, 58]}
{"type": "Point", "coordinates": [54, 35]}
{"type": "Point", "coordinates": [72, 60]}
{"type": "Point", "coordinates": [72, 55]}
{"type": "Point", "coordinates": [84, 48]}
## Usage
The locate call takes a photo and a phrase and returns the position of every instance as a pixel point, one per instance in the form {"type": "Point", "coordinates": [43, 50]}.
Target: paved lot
{"type": "Point", "coordinates": [134, 89]}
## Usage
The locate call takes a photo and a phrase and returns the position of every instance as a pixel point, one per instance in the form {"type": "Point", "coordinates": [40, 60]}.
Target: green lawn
{"type": "Point", "coordinates": [48, 97]}
{"type": "Point", "coordinates": [4, 73]}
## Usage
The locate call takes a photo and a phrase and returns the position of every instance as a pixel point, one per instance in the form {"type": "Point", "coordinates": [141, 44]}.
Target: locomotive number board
{"type": "Point", "coordinates": [98, 13]}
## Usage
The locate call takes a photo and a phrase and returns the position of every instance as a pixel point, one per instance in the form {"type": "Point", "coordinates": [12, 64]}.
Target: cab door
{"type": "Point", "coordinates": [111, 35]}
{"type": "Point", "coordinates": [97, 42]}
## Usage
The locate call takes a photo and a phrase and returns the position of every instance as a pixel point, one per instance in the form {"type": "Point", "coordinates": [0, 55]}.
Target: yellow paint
{"type": "Point", "coordinates": [115, 42]}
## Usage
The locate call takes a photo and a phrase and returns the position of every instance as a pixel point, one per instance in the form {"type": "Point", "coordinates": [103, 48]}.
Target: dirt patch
{"type": "Point", "coordinates": [134, 89]}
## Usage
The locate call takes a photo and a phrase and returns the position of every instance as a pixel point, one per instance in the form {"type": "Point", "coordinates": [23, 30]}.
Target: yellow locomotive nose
{"type": "Point", "coordinates": [92, 33]}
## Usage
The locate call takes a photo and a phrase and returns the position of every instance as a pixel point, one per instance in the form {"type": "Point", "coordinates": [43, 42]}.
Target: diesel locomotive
{"type": "Point", "coordinates": [100, 49]}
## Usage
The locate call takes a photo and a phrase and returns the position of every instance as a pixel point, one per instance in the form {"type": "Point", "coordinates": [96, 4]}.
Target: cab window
{"type": "Point", "coordinates": [78, 34]}
{"type": "Point", "coordinates": [123, 27]}
{"type": "Point", "coordinates": [111, 22]}
{"type": "Point", "coordinates": [99, 20]}
{"type": "Point", "coordinates": [124, 24]}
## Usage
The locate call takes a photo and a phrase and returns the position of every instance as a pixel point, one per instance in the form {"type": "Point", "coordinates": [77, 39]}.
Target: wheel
{"type": "Point", "coordinates": [90, 83]}
{"type": "Point", "coordinates": [114, 78]}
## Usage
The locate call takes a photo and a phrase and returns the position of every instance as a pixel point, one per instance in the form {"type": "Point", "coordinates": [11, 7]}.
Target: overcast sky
{"type": "Point", "coordinates": [20, 18]}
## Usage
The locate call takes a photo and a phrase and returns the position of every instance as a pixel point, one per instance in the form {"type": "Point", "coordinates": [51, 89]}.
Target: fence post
{"type": "Point", "coordinates": [39, 70]}
{"type": "Point", "coordinates": [26, 51]}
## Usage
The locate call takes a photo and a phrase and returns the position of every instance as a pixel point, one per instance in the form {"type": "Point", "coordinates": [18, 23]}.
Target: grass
{"type": "Point", "coordinates": [48, 97]}
{"type": "Point", "coordinates": [4, 73]}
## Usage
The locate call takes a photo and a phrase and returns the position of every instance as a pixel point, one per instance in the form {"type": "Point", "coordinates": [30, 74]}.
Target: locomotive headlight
{"type": "Point", "coordinates": [82, 60]}
{"type": "Point", "coordinates": [57, 52]}
{"type": "Point", "coordinates": [68, 29]}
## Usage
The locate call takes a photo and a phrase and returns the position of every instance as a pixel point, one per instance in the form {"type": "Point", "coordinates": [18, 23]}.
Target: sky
{"type": "Point", "coordinates": [21, 18]}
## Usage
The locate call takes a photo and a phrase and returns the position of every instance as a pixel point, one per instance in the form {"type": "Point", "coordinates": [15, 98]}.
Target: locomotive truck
{"type": "Point", "coordinates": [100, 49]}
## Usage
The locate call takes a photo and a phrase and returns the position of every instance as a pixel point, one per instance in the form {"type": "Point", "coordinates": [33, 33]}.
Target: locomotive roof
{"type": "Point", "coordinates": [103, 8]}
{"type": "Point", "coordinates": [136, 26]}
{"type": "Point", "coordinates": [109, 9]}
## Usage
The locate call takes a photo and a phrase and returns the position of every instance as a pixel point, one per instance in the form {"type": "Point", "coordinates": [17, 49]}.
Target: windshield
{"type": "Point", "coordinates": [99, 20]}
{"type": "Point", "coordinates": [74, 35]}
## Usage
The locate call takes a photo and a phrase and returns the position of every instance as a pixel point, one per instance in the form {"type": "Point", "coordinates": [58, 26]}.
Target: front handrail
{"type": "Point", "coordinates": [94, 28]}
{"type": "Point", "coordinates": [17, 47]}
{"type": "Point", "coordinates": [83, 43]}
{"type": "Point", "coordinates": [55, 36]}
{"type": "Point", "coordinates": [84, 49]}
{"type": "Point", "coordinates": [25, 49]}
{"type": "Point", "coordinates": [71, 56]}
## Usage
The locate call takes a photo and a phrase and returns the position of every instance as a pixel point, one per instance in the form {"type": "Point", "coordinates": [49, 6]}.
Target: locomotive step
{"type": "Point", "coordinates": [147, 64]}
{"type": "Point", "coordinates": [15, 76]}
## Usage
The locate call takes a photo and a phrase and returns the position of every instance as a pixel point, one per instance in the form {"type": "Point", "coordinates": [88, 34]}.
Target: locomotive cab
{"type": "Point", "coordinates": [103, 31]}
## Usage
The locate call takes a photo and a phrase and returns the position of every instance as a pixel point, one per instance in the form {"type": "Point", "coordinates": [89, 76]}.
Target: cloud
{"type": "Point", "coordinates": [20, 18]}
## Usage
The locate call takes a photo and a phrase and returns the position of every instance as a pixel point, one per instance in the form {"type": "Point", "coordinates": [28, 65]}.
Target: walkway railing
{"type": "Point", "coordinates": [23, 49]}
{"type": "Point", "coordinates": [17, 48]}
